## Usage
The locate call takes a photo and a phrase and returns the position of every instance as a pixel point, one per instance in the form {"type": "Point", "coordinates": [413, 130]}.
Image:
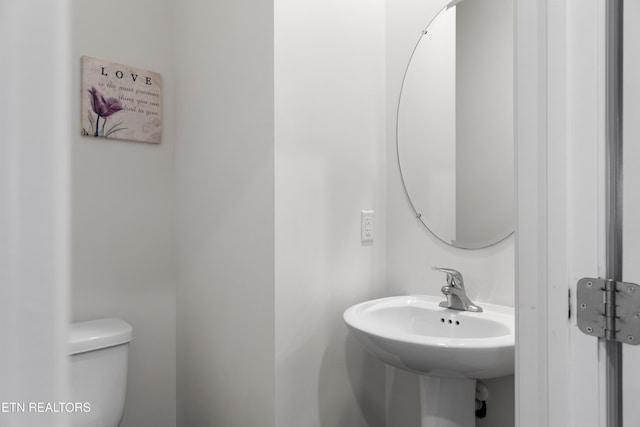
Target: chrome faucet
{"type": "Point", "coordinates": [457, 298]}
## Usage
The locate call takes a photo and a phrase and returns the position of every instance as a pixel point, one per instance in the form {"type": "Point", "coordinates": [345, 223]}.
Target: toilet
{"type": "Point", "coordinates": [98, 351]}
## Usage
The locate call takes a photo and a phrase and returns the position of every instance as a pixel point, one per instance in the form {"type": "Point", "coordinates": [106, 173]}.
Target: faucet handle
{"type": "Point", "coordinates": [454, 277]}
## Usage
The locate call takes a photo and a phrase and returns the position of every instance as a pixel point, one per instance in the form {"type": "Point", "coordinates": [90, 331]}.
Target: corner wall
{"type": "Point", "coordinates": [123, 207]}
{"type": "Point", "coordinates": [329, 166]}
{"type": "Point", "coordinates": [225, 202]}
{"type": "Point", "coordinates": [412, 250]}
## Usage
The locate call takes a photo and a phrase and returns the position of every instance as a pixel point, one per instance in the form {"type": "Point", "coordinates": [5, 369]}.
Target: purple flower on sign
{"type": "Point", "coordinates": [103, 107]}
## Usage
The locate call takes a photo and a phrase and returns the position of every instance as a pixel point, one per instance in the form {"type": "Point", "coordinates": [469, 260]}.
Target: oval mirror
{"type": "Point", "coordinates": [454, 130]}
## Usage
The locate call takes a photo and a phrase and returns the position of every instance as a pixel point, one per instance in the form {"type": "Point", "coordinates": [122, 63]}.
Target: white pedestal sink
{"type": "Point", "coordinates": [449, 349]}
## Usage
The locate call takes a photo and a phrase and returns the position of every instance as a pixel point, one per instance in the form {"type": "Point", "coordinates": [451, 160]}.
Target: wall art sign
{"type": "Point", "coordinates": [120, 101]}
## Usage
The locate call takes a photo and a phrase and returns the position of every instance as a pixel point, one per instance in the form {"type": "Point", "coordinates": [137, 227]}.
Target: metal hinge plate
{"type": "Point", "coordinates": [609, 309]}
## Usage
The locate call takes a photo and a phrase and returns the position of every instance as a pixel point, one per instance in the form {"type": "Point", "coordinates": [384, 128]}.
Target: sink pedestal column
{"type": "Point", "coordinates": [447, 402]}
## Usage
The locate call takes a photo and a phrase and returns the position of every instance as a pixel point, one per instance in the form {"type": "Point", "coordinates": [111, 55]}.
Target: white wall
{"type": "Point", "coordinates": [412, 250]}
{"type": "Point", "coordinates": [123, 206]}
{"type": "Point", "coordinates": [329, 165]}
{"type": "Point", "coordinates": [34, 206]}
{"type": "Point", "coordinates": [225, 200]}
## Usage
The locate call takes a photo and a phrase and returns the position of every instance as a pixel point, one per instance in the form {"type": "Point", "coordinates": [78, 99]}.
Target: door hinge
{"type": "Point", "coordinates": [608, 309]}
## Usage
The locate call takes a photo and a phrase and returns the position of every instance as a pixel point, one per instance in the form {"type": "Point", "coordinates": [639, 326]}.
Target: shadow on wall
{"type": "Point", "coordinates": [366, 378]}
{"type": "Point", "coordinates": [403, 398]}
{"type": "Point", "coordinates": [501, 395]}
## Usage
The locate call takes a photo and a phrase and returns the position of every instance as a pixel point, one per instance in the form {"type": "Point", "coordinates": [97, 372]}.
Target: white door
{"type": "Point", "coordinates": [560, 139]}
{"type": "Point", "coordinates": [631, 194]}
{"type": "Point", "coordinates": [561, 59]}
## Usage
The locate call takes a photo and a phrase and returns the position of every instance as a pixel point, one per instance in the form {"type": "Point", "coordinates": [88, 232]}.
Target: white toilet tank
{"type": "Point", "coordinates": [99, 357]}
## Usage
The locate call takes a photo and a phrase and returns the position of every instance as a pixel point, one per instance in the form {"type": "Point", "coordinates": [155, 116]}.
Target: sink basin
{"type": "Point", "coordinates": [449, 349]}
{"type": "Point", "coordinates": [416, 334]}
